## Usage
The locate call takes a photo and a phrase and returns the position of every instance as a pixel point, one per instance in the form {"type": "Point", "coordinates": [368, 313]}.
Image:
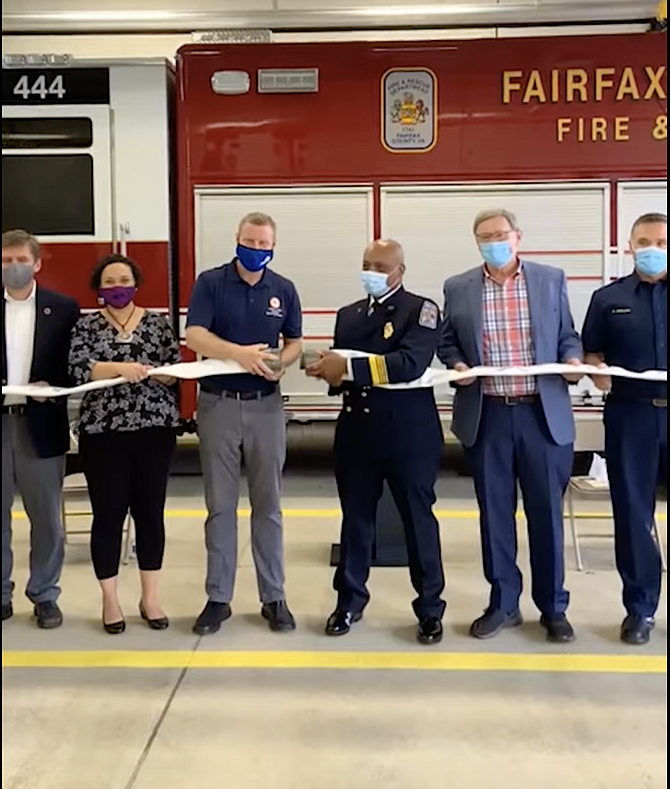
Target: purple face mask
{"type": "Point", "coordinates": [118, 296]}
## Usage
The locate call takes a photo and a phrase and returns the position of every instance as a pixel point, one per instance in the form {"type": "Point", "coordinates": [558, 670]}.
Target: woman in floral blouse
{"type": "Point", "coordinates": [126, 432]}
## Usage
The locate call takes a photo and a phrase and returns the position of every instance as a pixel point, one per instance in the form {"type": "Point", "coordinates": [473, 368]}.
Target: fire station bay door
{"type": "Point", "coordinates": [635, 198]}
{"type": "Point", "coordinates": [56, 167]}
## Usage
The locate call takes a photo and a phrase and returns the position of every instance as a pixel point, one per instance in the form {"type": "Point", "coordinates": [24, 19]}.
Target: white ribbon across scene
{"type": "Point", "coordinates": [432, 378]}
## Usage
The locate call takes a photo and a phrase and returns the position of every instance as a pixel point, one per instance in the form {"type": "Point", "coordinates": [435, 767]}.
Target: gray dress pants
{"type": "Point", "coordinates": [252, 432]}
{"type": "Point", "coordinates": [40, 484]}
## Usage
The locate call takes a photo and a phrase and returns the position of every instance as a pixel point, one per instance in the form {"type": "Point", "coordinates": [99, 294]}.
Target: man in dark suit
{"type": "Point", "coordinates": [35, 434]}
{"type": "Point", "coordinates": [386, 434]}
{"type": "Point", "coordinates": [512, 313]}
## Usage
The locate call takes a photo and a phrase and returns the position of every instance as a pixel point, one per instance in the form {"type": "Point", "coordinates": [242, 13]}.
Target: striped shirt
{"type": "Point", "coordinates": [508, 338]}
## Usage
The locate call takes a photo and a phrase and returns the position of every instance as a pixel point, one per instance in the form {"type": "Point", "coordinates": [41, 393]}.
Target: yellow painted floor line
{"type": "Point", "coordinates": [379, 661]}
{"type": "Point", "coordinates": [336, 513]}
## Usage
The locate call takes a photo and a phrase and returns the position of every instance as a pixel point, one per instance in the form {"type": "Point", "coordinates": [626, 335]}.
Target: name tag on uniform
{"type": "Point", "coordinates": [621, 311]}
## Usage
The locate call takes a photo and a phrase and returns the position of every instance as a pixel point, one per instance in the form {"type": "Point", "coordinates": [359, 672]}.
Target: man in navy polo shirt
{"type": "Point", "coordinates": [627, 326]}
{"type": "Point", "coordinates": [238, 312]}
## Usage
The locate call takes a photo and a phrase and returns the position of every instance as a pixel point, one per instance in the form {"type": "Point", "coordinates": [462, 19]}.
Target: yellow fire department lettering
{"type": "Point", "coordinates": [628, 86]}
{"type": "Point", "coordinates": [593, 129]}
{"type": "Point", "coordinates": [535, 88]}
{"type": "Point", "coordinates": [578, 85]}
{"type": "Point", "coordinates": [660, 130]}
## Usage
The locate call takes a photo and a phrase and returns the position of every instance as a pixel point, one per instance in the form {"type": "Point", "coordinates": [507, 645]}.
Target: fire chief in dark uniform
{"type": "Point", "coordinates": [386, 435]}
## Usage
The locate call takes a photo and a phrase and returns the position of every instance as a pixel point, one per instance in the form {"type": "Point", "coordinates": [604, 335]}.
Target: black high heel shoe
{"type": "Point", "coordinates": [155, 624]}
{"type": "Point", "coordinates": [114, 628]}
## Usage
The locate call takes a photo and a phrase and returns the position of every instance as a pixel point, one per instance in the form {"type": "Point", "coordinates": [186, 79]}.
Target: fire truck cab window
{"type": "Point", "coordinates": [47, 133]}
{"type": "Point", "coordinates": [48, 194]}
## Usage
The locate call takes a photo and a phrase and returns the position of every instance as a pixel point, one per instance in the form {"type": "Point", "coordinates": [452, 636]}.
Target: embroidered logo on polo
{"type": "Point", "coordinates": [274, 308]}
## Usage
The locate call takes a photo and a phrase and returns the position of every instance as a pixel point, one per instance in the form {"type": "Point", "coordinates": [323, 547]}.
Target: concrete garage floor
{"type": "Point", "coordinates": [248, 709]}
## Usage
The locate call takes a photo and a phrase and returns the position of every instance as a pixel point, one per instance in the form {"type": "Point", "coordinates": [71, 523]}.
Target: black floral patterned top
{"type": "Point", "coordinates": [124, 406]}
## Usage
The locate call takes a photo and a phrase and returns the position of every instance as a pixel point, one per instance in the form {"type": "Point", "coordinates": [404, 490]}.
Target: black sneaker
{"type": "Point", "coordinates": [278, 616]}
{"type": "Point", "coordinates": [212, 617]}
{"type": "Point", "coordinates": [7, 611]}
{"type": "Point", "coordinates": [493, 622]}
{"type": "Point", "coordinates": [48, 615]}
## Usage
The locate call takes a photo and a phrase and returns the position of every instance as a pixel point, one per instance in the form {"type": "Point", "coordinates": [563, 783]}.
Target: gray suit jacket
{"type": "Point", "coordinates": [554, 337]}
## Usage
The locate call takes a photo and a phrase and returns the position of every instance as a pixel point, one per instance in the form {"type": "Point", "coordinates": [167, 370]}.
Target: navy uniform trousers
{"type": "Point", "coordinates": [636, 445]}
{"type": "Point", "coordinates": [514, 449]}
{"type": "Point", "coordinates": [369, 449]}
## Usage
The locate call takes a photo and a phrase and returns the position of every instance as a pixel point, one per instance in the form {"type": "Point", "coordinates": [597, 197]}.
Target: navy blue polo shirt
{"type": "Point", "coordinates": [627, 323]}
{"type": "Point", "coordinates": [224, 304]}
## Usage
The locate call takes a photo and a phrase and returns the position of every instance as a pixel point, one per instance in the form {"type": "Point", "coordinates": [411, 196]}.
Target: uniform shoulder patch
{"type": "Point", "coordinates": [429, 315]}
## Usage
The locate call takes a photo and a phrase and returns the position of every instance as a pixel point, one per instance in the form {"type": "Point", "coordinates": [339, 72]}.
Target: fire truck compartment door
{"type": "Point", "coordinates": [635, 198]}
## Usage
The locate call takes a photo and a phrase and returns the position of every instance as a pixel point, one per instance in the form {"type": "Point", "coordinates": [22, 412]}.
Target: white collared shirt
{"type": "Point", "coordinates": [19, 341]}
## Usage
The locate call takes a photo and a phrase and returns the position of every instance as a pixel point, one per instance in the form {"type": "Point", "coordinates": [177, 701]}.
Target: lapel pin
{"type": "Point", "coordinates": [47, 310]}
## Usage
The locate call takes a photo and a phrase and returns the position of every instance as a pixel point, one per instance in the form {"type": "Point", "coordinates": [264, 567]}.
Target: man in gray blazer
{"type": "Point", "coordinates": [513, 313]}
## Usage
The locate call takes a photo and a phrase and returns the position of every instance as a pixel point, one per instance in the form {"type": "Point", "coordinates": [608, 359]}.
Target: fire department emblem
{"type": "Point", "coordinates": [409, 117]}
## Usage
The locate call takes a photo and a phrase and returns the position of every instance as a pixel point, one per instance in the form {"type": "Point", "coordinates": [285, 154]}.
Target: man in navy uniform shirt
{"type": "Point", "coordinates": [385, 434]}
{"type": "Point", "coordinates": [627, 326]}
{"type": "Point", "coordinates": [238, 312]}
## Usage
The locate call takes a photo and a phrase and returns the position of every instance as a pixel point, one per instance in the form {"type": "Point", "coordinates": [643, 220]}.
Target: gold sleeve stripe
{"type": "Point", "coordinates": [378, 372]}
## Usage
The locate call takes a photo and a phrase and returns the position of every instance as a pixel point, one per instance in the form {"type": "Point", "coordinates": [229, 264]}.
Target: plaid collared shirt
{"type": "Point", "coordinates": [508, 338]}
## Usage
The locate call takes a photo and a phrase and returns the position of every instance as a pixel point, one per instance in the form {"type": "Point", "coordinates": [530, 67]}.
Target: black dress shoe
{"type": "Point", "coordinates": [7, 611]}
{"type": "Point", "coordinates": [430, 631]}
{"type": "Point", "coordinates": [48, 615]}
{"type": "Point", "coordinates": [493, 622]}
{"type": "Point", "coordinates": [212, 617]}
{"type": "Point", "coordinates": [559, 630]}
{"type": "Point", "coordinates": [636, 630]}
{"type": "Point", "coordinates": [340, 622]}
{"type": "Point", "coordinates": [278, 616]}
{"type": "Point", "coordinates": [162, 623]}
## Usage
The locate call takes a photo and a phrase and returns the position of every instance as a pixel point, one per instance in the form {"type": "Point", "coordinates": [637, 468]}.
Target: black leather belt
{"type": "Point", "coordinates": [227, 393]}
{"type": "Point", "coordinates": [14, 410]}
{"type": "Point", "coordinates": [509, 400]}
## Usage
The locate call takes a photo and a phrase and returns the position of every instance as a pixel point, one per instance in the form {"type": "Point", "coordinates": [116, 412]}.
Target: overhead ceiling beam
{"type": "Point", "coordinates": [442, 15]}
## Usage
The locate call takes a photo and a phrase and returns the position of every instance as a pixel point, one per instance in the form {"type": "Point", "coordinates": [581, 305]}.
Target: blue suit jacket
{"type": "Point", "coordinates": [554, 337]}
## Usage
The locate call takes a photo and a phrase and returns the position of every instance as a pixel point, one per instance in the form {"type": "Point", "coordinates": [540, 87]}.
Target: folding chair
{"type": "Point", "coordinates": [588, 486]}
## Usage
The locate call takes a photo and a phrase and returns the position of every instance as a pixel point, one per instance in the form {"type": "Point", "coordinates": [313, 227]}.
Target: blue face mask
{"type": "Point", "coordinates": [651, 261]}
{"type": "Point", "coordinates": [497, 253]}
{"type": "Point", "coordinates": [253, 260]}
{"type": "Point", "coordinates": [375, 283]}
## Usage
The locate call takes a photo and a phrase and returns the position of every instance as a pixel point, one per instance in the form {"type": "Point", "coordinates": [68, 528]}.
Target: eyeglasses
{"type": "Point", "coordinates": [500, 235]}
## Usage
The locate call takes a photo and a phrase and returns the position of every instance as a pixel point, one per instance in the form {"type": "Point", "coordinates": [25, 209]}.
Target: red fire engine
{"type": "Point", "coordinates": [339, 143]}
